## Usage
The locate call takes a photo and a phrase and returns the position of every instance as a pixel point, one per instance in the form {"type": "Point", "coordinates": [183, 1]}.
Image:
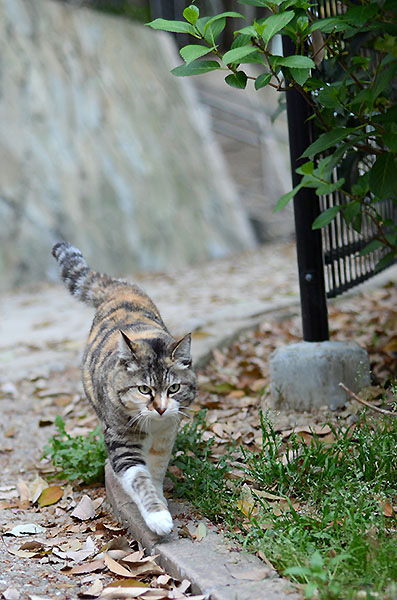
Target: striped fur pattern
{"type": "Point", "coordinates": [138, 378]}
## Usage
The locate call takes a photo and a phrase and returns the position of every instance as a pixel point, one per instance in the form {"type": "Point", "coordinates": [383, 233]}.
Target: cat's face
{"type": "Point", "coordinates": [157, 380]}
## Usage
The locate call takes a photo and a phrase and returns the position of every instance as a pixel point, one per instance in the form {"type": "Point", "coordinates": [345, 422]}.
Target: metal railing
{"type": "Point", "coordinates": [345, 265]}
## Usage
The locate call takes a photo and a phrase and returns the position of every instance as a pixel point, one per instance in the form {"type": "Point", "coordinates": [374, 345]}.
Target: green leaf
{"type": "Point", "coordinates": [300, 75]}
{"type": "Point", "coordinates": [329, 187]}
{"type": "Point", "coordinates": [382, 176]}
{"type": "Point", "coordinates": [214, 30]}
{"type": "Point", "coordinates": [221, 16]}
{"type": "Point", "coordinates": [306, 169]}
{"type": "Point", "coordinates": [327, 140]}
{"type": "Point", "coordinates": [255, 58]}
{"type": "Point", "coordinates": [385, 261]}
{"type": "Point", "coordinates": [172, 26]}
{"type": "Point", "coordinates": [233, 56]}
{"type": "Point", "coordinates": [262, 80]}
{"type": "Point", "coordinates": [329, 25]}
{"type": "Point", "coordinates": [359, 15]}
{"type": "Point", "coordinates": [371, 247]}
{"type": "Point", "coordinates": [249, 31]}
{"type": "Point", "coordinates": [326, 217]}
{"type": "Point", "coordinates": [285, 198]}
{"type": "Point", "coordinates": [191, 14]}
{"type": "Point", "coordinates": [383, 80]}
{"type": "Point", "coordinates": [310, 589]}
{"type": "Point", "coordinates": [201, 23]}
{"type": "Point", "coordinates": [276, 23]}
{"type": "Point", "coordinates": [197, 67]}
{"type": "Point", "coordinates": [329, 97]}
{"type": "Point", "coordinates": [351, 211]}
{"type": "Point", "coordinates": [237, 80]}
{"type": "Point", "coordinates": [295, 570]}
{"type": "Point", "coordinates": [390, 116]}
{"type": "Point", "coordinates": [263, 3]}
{"type": "Point", "coordinates": [390, 138]}
{"type": "Point", "coordinates": [296, 62]}
{"type": "Point", "coordinates": [193, 51]}
{"type": "Point", "coordinates": [316, 561]}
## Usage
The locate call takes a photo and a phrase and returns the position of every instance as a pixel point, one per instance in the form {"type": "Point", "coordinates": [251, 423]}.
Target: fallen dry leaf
{"type": "Point", "coordinates": [131, 582]}
{"type": "Point", "coordinates": [96, 565]}
{"type": "Point", "coordinates": [50, 495]}
{"type": "Point", "coordinates": [23, 491]}
{"type": "Point", "coordinates": [115, 567]}
{"type": "Point", "coordinates": [387, 508]}
{"type": "Point", "coordinates": [84, 510]}
{"type": "Point", "coordinates": [36, 488]}
{"type": "Point", "coordinates": [11, 594]}
{"type": "Point", "coordinates": [201, 532]}
{"type": "Point", "coordinates": [184, 586]}
{"type": "Point", "coordinates": [119, 592]}
{"type": "Point", "coordinates": [95, 590]}
{"type": "Point", "coordinates": [25, 529]}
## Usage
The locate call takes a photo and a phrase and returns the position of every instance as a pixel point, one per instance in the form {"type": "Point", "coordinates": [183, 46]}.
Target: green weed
{"type": "Point", "coordinates": [80, 457]}
{"type": "Point", "coordinates": [203, 478]}
{"type": "Point", "coordinates": [333, 534]}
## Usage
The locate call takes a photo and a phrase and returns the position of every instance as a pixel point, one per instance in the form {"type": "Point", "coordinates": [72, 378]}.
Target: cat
{"type": "Point", "coordinates": [138, 378]}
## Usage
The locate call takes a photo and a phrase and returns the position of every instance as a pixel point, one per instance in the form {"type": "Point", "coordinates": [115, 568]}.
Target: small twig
{"type": "Point", "coordinates": [383, 411]}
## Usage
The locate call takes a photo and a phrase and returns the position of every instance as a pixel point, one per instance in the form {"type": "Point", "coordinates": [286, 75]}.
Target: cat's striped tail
{"type": "Point", "coordinates": [82, 282]}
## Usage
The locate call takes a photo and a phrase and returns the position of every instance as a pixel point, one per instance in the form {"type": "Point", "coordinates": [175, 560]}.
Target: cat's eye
{"type": "Point", "coordinates": [174, 388]}
{"type": "Point", "coordinates": [144, 389]}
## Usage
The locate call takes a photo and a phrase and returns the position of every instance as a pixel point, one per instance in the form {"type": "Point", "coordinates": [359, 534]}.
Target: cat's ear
{"type": "Point", "coordinates": [180, 351]}
{"type": "Point", "coordinates": [127, 348]}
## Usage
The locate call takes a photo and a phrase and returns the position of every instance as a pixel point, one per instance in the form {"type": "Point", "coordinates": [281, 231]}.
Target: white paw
{"type": "Point", "coordinates": [160, 522]}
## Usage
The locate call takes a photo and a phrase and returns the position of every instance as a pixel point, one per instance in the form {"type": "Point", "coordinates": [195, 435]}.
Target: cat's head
{"type": "Point", "coordinates": [157, 379]}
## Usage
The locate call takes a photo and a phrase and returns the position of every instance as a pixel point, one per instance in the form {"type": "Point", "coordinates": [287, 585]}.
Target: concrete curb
{"type": "Point", "coordinates": [212, 566]}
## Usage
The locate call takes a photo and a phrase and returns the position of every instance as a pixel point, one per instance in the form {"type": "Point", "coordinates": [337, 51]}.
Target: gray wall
{"type": "Point", "coordinates": [100, 145]}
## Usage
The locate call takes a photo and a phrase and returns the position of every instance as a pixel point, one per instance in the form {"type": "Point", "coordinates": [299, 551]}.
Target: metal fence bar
{"type": "Point", "coordinates": [306, 209]}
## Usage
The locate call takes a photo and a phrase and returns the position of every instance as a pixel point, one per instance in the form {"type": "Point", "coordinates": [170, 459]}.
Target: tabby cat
{"type": "Point", "coordinates": [138, 378]}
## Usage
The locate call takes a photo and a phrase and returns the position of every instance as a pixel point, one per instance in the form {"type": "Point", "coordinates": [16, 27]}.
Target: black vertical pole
{"type": "Point", "coordinates": [306, 209]}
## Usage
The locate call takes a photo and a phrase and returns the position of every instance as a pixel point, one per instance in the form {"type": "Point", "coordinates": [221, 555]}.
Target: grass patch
{"type": "Point", "coordinates": [334, 530]}
{"type": "Point", "coordinates": [79, 457]}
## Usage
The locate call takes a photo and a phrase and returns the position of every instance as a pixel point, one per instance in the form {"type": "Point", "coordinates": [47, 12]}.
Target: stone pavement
{"type": "Point", "coordinates": [44, 328]}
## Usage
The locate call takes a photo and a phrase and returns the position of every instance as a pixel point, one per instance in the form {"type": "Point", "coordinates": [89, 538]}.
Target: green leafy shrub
{"type": "Point", "coordinates": [79, 457]}
{"type": "Point", "coordinates": [345, 67]}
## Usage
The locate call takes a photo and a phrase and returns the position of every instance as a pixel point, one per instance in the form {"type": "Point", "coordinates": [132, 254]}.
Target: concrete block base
{"type": "Point", "coordinates": [306, 375]}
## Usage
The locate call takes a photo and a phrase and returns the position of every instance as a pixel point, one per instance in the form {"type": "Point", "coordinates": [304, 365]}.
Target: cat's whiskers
{"type": "Point", "coordinates": [182, 412]}
{"type": "Point", "coordinates": [133, 420]}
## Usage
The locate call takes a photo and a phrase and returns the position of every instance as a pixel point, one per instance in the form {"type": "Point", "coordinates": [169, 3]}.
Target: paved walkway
{"type": "Point", "coordinates": [44, 328]}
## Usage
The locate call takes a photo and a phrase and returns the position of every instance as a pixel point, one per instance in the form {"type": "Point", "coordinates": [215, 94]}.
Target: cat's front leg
{"type": "Point", "coordinates": [138, 484]}
{"type": "Point", "coordinates": [129, 462]}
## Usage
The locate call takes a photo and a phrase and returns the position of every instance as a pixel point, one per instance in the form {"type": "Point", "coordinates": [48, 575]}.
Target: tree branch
{"type": "Point", "coordinates": [383, 411]}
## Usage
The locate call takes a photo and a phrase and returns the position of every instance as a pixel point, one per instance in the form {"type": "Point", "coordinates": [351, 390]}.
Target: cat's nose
{"type": "Point", "coordinates": [160, 410]}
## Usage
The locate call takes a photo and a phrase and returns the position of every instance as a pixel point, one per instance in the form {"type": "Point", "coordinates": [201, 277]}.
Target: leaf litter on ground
{"type": "Point", "coordinates": [233, 387]}
{"type": "Point", "coordinates": [63, 533]}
